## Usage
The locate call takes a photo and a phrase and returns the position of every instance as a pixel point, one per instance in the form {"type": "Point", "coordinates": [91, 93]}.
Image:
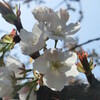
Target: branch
{"type": "Point", "coordinates": [71, 92]}
{"type": "Point", "coordinates": [89, 41]}
{"type": "Point", "coordinates": [75, 91]}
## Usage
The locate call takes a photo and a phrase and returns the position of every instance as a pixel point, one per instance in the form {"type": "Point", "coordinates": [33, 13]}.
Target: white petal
{"type": "Point", "coordinates": [41, 65]}
{"type": "Point", "coordinates": [72, 72]}
{"type": "Point", "coordinates": [25, 49]}
{"type": "Point", "coordinates": [26, 36]}
{"type": "Point", "coordinates": [29, 49]}
{"type": "Point", "coordinates": [5, 72]}
{"type": "Point", "coordinates": [36, 29]}
{"type": "Point", "coordinates": [72, 58]}
{"type": "Point", "coordinates": [5, 87]}
{"type": "Point", "coordinates": [64, 15]}
{"type": "Point", "coordinates": [5, 82]}
{"type": "Point", "coordinates": [54, 54]}
{"type": "Point", "coordinates": [14, 65]}
{"type": "Point", "coordinates": [72, 28]}
{"type": "Point", "coordinates": [41, 13]}
{"type": "Point", "coordinates": [39, 30]}
{"type": "Point", "coordinates": [54, 80]}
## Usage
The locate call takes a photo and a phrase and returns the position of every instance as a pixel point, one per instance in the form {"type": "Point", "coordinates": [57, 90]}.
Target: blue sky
{"type": "Point", "coordinates": [90, 26]}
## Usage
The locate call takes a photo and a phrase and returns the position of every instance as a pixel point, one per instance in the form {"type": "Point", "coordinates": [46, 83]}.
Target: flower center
{"type": "Point", "coordinates": [55, 65]}
{"type": "Point", "coordinates": [58, 31]}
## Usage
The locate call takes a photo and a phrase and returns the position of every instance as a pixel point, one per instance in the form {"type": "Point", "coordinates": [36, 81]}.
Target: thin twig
{"type": "Point", "coordinates": [89, 41]}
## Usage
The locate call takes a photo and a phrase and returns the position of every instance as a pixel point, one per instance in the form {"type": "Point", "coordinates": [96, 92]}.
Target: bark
{"type": "Point", "coordinates": [71, 92]}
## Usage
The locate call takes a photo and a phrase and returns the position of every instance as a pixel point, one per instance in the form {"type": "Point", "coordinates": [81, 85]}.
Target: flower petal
{"type": "Point", "coordinates": [41, 13]}
{"type": "Point", "coordinates": [72, 28]}
{"type": "Point", "coordinates": [72, 58]}
{"type": "Point", "coordinates": [54, 80]}
{"type": "Point", "coordinates": [14, 65]}
{"type": "Point", "coordinates": [6, 87]}
{"type": "Point", "coordinates": [41, 65]}
{"type": "Point", "coordinates": [72, 72]}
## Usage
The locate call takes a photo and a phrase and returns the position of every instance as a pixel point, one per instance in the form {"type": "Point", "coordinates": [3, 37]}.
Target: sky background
{"type": "Point", "coordinates": [90, 25]}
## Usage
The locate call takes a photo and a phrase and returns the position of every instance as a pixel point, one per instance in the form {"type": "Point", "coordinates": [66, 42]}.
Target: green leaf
{"type": "Point", "coordinates": [7, 39]}
{"type": "Point", "coordinates": [10, 18]}
{"type": "Point", "coordinates": [2, 44]}
{"type": "Point", "coordinates": [92, 67]}
{"type": "Point", "coordinates": [80, 67]}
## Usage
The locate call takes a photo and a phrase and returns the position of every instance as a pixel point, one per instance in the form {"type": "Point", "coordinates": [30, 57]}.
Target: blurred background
{"type": "Point", "coordinates": [87, 12]}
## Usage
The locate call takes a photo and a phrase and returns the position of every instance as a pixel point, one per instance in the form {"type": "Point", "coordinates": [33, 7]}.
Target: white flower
{"type": "Point", "coordinates": [32, 42]}
{"type": "Point", "coordinates": [55, 64]}
{"type": "Point", "coordinates": [14, 65]}
{"type": "Point", "coordinates": [6, 86]}
{"type": "Point", "coordinates": [24, 92]}
{"type": "Point", "coordinates": [55, 23]}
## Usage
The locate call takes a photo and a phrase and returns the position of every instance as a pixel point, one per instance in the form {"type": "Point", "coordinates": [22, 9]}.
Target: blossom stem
{"type": "Point", "coordinates": [35, 55]}
{"type": "Point", "coordinates": [21, 78]}
{"type": "Point", "coordinates": [18, 25]}
{"type": "Point", "coordinates": [56, 41]}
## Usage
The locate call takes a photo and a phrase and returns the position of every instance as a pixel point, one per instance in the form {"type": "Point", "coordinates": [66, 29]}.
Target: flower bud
{"type": "Point", "coordinates": [7, 13]}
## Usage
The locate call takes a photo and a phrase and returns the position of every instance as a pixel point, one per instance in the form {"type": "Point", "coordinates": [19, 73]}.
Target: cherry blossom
{"type": "Point", "coordinates": [55, 64]}
{"type": "Point", "coordinates": [32, 42]}
{"type": "Point", "coordinates": [55, 24]}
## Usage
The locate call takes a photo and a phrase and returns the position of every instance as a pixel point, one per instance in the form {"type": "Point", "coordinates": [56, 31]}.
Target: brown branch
{"type": "Point", "coordinates": [70, 92]}
{"type": "Point", "coordinates": [18, 25]}
{"type": "Point", "coordinates": [74, 91]}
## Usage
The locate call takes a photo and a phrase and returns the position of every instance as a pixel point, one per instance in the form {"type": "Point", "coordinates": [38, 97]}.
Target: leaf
{"type": "Point", "coordinates": [92, 67]}
{"type": "Point", "coordinates": [7, 39]}
{"type": "Point", "coordinates": [2, 44]}
{"type": "Point", "coordinates": [10, 18]}
{"type": "Point", "coordinates": [91, 62]}
{"type": "Point", "coordinates": [80, 67]}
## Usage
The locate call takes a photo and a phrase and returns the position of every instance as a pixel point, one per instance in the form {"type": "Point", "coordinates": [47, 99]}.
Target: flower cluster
{"type": "Point", "coordinates": [54, 67]}
{"type": "Point", "coordinates": [55, 23]}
